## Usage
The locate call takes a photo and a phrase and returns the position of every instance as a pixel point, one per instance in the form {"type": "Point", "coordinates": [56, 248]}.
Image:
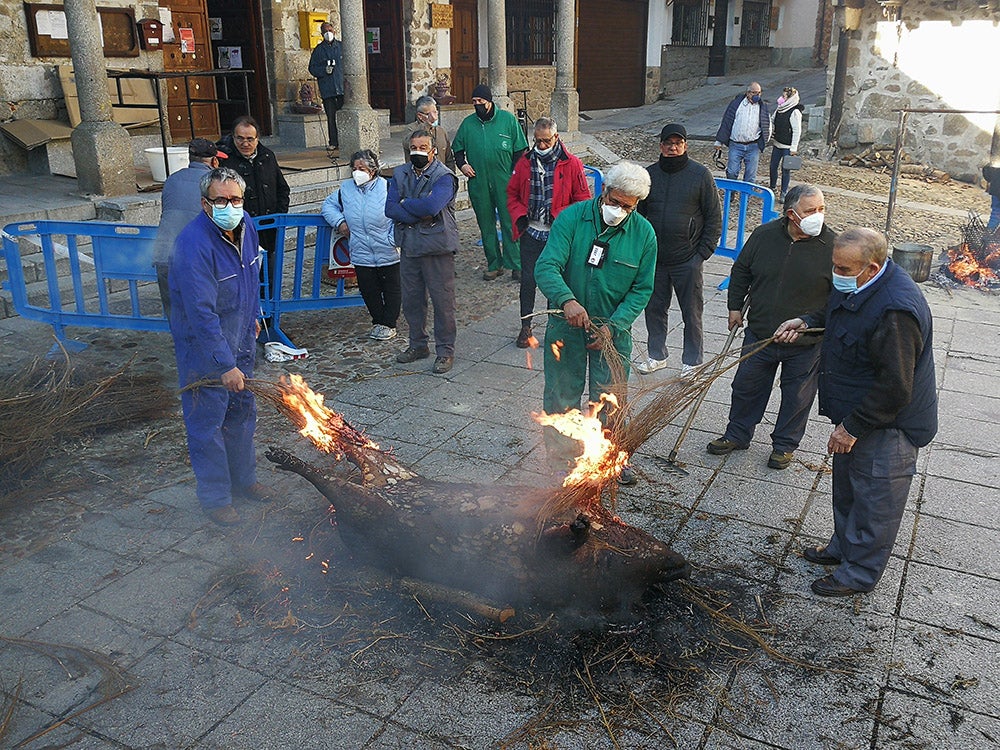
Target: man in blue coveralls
{"type": "Point", "coordinates": [214, 304]}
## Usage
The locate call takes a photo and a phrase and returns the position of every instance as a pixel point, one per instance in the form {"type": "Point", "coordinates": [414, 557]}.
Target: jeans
{"type": "Point", "coordinates": [777, 154]}
{"type": "Point", "coordinates": [752, 390]}
{"type": "Point", "coordinates": [686, 280]}
{"type": "Point", "coordinates": [994, 212]}
{"type": "Point", "coordinates": [747, 154]}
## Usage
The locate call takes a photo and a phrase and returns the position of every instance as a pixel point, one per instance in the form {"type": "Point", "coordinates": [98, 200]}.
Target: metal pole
{"type": "Point", "coordinates": [895, 173]}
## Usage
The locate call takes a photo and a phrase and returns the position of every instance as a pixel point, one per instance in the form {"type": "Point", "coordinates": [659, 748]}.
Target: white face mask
{"type": "Point", "coordinates": [812, 224]}
{"type": "Point", "coordinates": [360, 177]}
{"type": "Point", "coordinates": [329, 36]}
{"type": "Point", "coordinates": [544, 151]}
{"type": "Point", "coordinates": [613, 215]}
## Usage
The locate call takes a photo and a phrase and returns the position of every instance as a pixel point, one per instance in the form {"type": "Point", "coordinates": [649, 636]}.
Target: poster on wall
{"type": "Point", "coordinates": [215, 29]}
{"type": "Point", "coordinates": [373, 40]}
{"type": "Point", "coordinates": [230, 57]}
{"type": "Point", "coordinates": [187, 40]}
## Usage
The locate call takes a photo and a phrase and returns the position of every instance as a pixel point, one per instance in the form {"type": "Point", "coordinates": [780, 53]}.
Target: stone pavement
{"type": "Point", "coordinates": [272, 636]}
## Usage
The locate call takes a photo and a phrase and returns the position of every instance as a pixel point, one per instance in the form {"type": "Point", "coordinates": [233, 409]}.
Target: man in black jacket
{"type": "Point", "coordinates": [683, 207]}
{"type": "Point", "coordinates": [266, 192]}
{"type": "Point", "coordinates": [785, 266]}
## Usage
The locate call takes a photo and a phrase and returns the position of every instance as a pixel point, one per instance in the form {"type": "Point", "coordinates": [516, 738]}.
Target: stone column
{"type": "Point", "coordinates": [496, 29]}
{"type": "Point", "coordinates": [102, 149]}
{"type": "Point", "coordinates": [565, 102]}
{"type": "Point", "coordinates": [357, 122]}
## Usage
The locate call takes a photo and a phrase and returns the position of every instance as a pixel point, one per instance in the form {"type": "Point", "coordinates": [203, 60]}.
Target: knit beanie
{"type": "Point", "coordinates": [482, 91]}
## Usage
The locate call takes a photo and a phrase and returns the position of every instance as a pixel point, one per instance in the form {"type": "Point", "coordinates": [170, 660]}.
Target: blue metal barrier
{"type": "Point", "coordinates": [598, 177]}
{"type": "Point", "coordinates": [745, 190]}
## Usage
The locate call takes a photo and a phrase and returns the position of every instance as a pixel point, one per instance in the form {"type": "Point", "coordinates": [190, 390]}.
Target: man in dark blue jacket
{"type": "Point", "coordinates": [876, 385]}
{"type": "Point", "coordinates": [325, 65]}
{"type": "Point", "coordinates": [745, 129]}
{"type": "Point", "coordinates": [214, 283]}
{"type": "Point", "coordinates": [421, 200]}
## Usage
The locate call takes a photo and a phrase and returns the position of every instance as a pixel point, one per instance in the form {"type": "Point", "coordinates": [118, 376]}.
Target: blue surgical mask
{"type": "Point", "coordinates": [227, 218]}
{"type": "Point", "coordinates": [845, 284]}
{"type": "Point", "coordinates": [755, 98]}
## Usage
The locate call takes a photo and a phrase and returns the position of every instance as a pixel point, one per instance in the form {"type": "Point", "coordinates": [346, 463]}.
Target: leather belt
{"type": "Point", "coordinates": [746, 143]}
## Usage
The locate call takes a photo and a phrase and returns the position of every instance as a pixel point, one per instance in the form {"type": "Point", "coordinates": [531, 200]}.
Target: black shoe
{"type": "Point", "coordinates": [515, 275]}
{"type": "Point", "coordinates": [779, 460]}
{"type": "Point", "coordinates": [412, 355]}
{"type": "Point", "coordinates": [723, 447]}
{"type": "Point", "coordinates": [442, 365]}
{"type": "Point", "coordinates": [818, 555]}
{"type": "Point", "coordinates": [828, 586]}
{"type": "Point", "coordinates": [524, 338]}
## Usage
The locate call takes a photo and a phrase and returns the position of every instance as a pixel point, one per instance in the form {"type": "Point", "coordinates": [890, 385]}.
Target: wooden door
{"type": "Point", "coordinates": [464, 50]}
{"type": "Point", "coordinates": [611, 53]}
{"type": "Point", "coordinates": [202, 121]}
{"type": "Point", "coordinates": [242, 28]}
{"type": "Point", "coordinates": [384, 39]}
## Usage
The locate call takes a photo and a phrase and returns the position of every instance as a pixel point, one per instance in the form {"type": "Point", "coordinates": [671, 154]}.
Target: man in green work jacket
{"type": "Point", "coordinates": [597, 267]}
{"type": "Point", "coordinates": [487, 146]}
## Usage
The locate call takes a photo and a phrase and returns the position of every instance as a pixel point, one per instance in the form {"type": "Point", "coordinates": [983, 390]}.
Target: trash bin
{"type": "Point", "coordinates": [177, 158]}
{"type": "Point", "coordinates": [915, 259]}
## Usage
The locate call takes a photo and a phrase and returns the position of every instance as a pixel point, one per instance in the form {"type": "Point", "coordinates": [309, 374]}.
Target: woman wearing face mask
{"type": "Point", "coordinates": [786, 129]}
{"type": "Point", "coordinates": [357, 211]}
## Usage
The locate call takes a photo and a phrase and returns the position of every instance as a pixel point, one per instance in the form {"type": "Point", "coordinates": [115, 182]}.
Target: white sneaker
{"type": "Point", "coordinates": [650, 365]}
{"type": "Point", "coordinates": [688, 371]}
{"type": "Point", "coordinates": [375, 332]}
{"type": "Point", "coordinates": [382, 333]}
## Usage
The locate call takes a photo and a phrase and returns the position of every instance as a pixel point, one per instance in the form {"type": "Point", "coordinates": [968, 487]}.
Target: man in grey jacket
{"type": "Point", "coordinates": [180, 202]}
{"type": "Point", "coordinates": [683, 207]}
{"type": "Point", "coordinates": [421, 200]}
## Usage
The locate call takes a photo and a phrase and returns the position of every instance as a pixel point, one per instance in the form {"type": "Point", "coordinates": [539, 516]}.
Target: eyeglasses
{"type": "Point", "coordinates": [546, 142]}
{"type": "Point", "coordinates": [223, 202]}
{"type": "Point", "coordinates": [618, 203]}
{"type": "Point", "coordinates": [245, 138]}
{"type": "Point", "coordinates": [674, 143]}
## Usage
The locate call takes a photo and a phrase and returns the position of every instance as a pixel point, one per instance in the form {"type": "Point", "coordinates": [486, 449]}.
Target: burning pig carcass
{"type": "Point", "coordinates": [557, 547]}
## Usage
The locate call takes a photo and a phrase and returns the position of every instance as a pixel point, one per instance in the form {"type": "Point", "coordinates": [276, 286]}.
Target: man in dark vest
{"type": "Point", "coordinates": [421, 200]}
{"type": "Point", "coordinates": [876, 385]}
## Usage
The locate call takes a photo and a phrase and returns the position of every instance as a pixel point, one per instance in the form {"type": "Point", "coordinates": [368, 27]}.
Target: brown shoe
{"type": "Point", "coordinates": [524, 338]}
{"type": "Point", "coordinates": [492, 275]}
{"type": "Point", "coordinates": [442, 365]}
{"type": "Point", "coordinates": [257, 492]}
{"type": "Point", "coordinates": [779, 460]}
{"type": "Point", "coordinates": [224, 516]}
{"type": "Point", "coordinates": [409, 354]}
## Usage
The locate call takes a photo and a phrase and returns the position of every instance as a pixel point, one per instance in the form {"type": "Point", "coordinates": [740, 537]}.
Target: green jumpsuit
{"type": "Point", "coordinates": [489, 148]}
{"type": "Point", "coordinates": [613, 294]}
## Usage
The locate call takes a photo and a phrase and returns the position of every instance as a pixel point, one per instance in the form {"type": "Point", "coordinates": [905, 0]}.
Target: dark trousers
{"type": "Point", "coordinates": [777, 154]}
{"type": "Point", "coordinates": [870, 486]}
{"type": "Point", "coordinates": [530, 250]}
{"type": "Point", "coordinates": [752, 390]}
{"type": "Point", "coordinates": [432, 275]}
{"type": "Point", "coordinates": [685, 280]}
{"type": "Point", "coordinates": [163, 283]}
{"type": "Point", "coordinates": [331, 105]}
{"type": "Point", "coordinates": [380, 289]}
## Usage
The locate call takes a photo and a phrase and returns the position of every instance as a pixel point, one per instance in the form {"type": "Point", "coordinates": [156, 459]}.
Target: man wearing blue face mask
{"type": "Point", "coordinates": [745, 129]}
{"type": "Point", "coordinates": [783, 268]}
{"type": "Point", "coordinates": [877, 386]}
{"type": "Point", "coordinates": [214, 302]}
{"type": "Point", "coordinates": [428, 119]}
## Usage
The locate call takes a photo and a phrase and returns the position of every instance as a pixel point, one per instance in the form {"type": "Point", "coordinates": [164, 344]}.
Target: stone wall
{"type": "Point", "coordinates": [928, 60]}
{"type": "Point", "coordinates": [747, 59]}
{"type": "Point", "coordinates": [288, 65]}
{"type": "Point", "coordinates": [682, 68]}
{"type": "Point", "coordinates": [540, 80]}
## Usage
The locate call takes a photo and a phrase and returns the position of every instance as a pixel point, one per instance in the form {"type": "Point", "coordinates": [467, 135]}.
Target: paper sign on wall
{"type": "Point", "coordinates": [230, 57]}
{"type": "Point", "coordinates": [215, 29]}
{"type": "Point", "coordinates": [373, 39]}
{"type": "Point", "coordinates": [187, 40]}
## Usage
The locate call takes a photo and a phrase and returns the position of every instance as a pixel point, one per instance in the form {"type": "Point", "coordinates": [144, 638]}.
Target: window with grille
{"type": "Point", "coordinates": [530, 32]}
{"type": "Point", "coordinates": [690, 22]}
{"type": "Point", "coordinates": [756, 29]}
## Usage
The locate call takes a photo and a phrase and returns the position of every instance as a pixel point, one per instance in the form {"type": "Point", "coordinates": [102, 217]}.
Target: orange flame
{"type": "Point", "coordinates": [601, 459]}
{"type": "Point", "coordinates": [966, 268]}
{"type": "Point", "coordinates": [323, 426]}
{"type": "Point", "coordinates": [557, 349]}
{"type": "Point", "coordinates": [532, 344]}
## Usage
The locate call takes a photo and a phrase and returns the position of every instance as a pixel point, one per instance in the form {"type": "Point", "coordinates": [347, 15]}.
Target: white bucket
{"type": "Point", "coordinates": [177, 158]}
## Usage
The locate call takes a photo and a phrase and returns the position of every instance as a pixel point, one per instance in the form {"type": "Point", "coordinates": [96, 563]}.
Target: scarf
{"type": "Point", "coordinates": [790, 103]}
{"type": "Point", "coordinates": [673, 164]}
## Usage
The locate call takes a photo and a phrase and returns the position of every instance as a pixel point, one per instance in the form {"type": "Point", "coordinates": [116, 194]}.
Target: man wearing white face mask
{"type": "Point", "coordinates": [357, 211]}
{"type": "Point", "coordinates": [877, 387]}
{"type": "Point", "coordinates": [325, 65]}
{"type": "Point", "coordinates": [784, 267]}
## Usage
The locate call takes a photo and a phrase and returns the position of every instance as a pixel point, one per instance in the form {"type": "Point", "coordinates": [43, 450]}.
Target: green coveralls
{"type": "Point", "coordinates": [614, 294]}
{"type": "Point", "coordinates": [489, 148]}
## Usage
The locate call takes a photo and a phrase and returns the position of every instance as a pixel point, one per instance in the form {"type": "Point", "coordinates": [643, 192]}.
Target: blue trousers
{"type": "Point", "coordinates": [777, 154]}
{"type": "Point", "coordinates": [684, 279]}
{"type": "Point", "coordinates": [752, 390]}
{"type": "Point", "coordinates": [870, 485]}
{"type": "Point", "coordinates": [994, 212]}
{"type": "Point", "coordinates": [747, 154]}
{"type": "Point", "coordinates": [220, 426]}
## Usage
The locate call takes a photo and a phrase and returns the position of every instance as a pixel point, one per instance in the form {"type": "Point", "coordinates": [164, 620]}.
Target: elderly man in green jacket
{"type": "Point", "coordinates": [597, 267]}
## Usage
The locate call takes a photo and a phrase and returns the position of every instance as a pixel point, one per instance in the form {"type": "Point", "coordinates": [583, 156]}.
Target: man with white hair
{"type": "Point", "coordinates": [597, 267]}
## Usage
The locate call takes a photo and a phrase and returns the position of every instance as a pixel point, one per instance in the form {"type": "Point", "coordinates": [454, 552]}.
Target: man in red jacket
{"type": "Point", "coordinates": [546, 180]}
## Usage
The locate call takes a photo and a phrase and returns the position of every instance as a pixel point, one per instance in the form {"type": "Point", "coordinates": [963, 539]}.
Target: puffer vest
{"type": "Point", "coordinates": [846, 369]}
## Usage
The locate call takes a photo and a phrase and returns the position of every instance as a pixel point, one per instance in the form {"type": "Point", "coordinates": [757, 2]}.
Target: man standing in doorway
{"type": "Point", "coordinates": [325, 65]}
{"type": "Point", "coordinates": [487, 146]}
{"type": "Point", "coordinates": [427, 119]}
{"type": "Point", "coordinates": [745, 129]}
{"type": "Point", "coordinates": [683, 207]}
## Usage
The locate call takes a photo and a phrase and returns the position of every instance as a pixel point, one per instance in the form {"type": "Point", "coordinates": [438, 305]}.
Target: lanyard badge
{"type": "Point", "coordinates": [598, 254]}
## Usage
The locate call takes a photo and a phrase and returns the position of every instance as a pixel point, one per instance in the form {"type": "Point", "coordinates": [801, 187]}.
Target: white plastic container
{"type": "Point", "coordinates": [177, 158]}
